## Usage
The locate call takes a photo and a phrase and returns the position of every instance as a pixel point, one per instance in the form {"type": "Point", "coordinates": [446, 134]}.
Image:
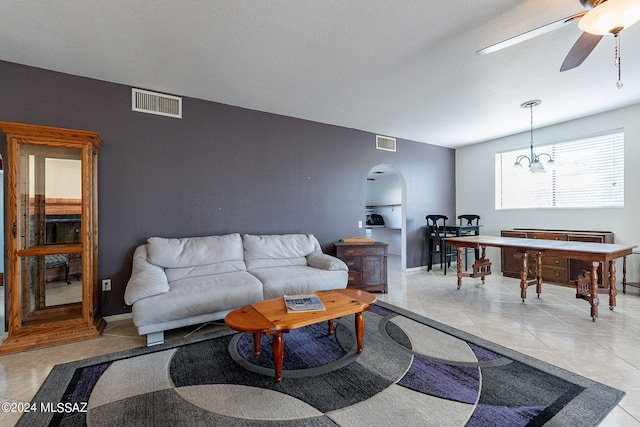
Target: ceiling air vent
{"type": "Point", "coordinates": [385, 143]}
{"type": "Point", "coordinates": [156, 103]}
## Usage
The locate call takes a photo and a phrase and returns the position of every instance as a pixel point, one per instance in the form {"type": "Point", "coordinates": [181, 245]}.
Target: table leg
{"type": "Point", "coordinates": [278, 355]}
{"type": "Point", "coordinates": [459, 263]}
{"type": "Point", "coordinates": [593, 298]}
{"type": "Point", "coordinates": [331, 327]}
{"type": "Point", "coordinates": [539, 274]}
{"type": "Point", "coordinates": [613, 292]}
{"type": "Point", "coordinates": [524, 269]}
{"type": "Point", "coordinates": [256, 343]}
{"type": "Point", "coordinates": [484, 257]}
{"type": "Point", "coordinates": [360, 330]}
{"type": "Point", "coordinates": [624, 275]}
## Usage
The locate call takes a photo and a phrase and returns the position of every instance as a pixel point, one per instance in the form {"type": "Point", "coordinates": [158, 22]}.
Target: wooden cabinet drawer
{"type": "Point", "coordinates": [509, 233]}
{"type": "Point", "coordinates": [586, 238]}
{"type": "Point", "coordinates": [362, 251]}
{"type": "Point", "coordinates": [555, 262]}
{"type": "Point", "coordinates": [546, 236]}
{"type": "Point", "coordinates": [557, 275]}
{"type": "Point", "coordinates": [354, 278]}
{"type": "Point", "coordinates": [353, 263]}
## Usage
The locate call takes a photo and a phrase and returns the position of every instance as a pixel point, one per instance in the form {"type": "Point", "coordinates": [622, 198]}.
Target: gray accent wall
{"type": "Point", "coordinates": [221, 169]}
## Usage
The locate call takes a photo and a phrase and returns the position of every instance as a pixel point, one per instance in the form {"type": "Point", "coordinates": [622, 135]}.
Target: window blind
{"type": "Point", "coordinates": [588, 173]}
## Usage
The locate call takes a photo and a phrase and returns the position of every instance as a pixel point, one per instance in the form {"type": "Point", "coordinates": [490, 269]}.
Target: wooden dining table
{"type": "Point", "coordinates": [587, 287]}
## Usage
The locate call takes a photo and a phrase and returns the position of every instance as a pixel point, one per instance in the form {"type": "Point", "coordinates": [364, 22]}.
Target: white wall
{"type": "Point", "coordinates": [387, 190]}
{"type": "Point", "coordinates": [475, 186]}
{"type": "Point", "coordinates": [62, 178]}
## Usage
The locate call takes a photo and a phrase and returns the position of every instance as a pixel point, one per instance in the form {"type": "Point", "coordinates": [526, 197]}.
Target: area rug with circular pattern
{"type": "Point", "coordinates": [413, 371]}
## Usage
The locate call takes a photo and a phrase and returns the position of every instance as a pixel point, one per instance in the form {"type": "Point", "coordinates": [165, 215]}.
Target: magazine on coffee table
{"type": "Point", "coordinates": [303, 302]}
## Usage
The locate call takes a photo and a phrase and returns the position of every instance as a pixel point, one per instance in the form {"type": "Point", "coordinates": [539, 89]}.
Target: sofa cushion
{"type": "Point", "coordinates": [321, 260]}
{"type": "Point", "coordinates": [198, 295]}
{"type": "Point", "coordinates": [278, 281]}
{"type": "Point", "coordinates": [277, 250]}
{"type": "Point", "coordinates": [146, 279]}
{"type": "Point", "coordinates": [197, 256]}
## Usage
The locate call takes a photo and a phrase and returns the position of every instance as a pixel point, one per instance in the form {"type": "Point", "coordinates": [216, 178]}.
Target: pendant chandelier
{"type": "Point", "coordinates": [534, 160]}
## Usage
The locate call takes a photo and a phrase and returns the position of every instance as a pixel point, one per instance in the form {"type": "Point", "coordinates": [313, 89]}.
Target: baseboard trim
{"type": "Point", "coordinates": [116, 317]}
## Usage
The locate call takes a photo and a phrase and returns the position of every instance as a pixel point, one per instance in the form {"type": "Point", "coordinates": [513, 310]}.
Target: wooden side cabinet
{"type": "Point", "coordinates": [367, 264]}
{"type": "Point", "coordinates": [559, 270]}
{"type": "Point", "coordinates": [52, 236]}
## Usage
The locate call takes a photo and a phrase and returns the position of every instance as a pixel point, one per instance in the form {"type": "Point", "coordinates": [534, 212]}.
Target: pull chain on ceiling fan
{"type": "Point", "coordinates": [604, 17]}
{"type": "Point", "coordinates": [617, 62]}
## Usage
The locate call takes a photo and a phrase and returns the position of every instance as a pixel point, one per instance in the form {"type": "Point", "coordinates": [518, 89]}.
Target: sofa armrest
{"type": "Point", "coordinates": [318, 259]}
{"type": "Point", "coordinates": [146, 279]}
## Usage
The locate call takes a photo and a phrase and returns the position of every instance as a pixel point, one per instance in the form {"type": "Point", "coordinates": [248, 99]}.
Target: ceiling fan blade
{"type": "Point", "coordinates": [580, 50]}
{"type": "Point", "coordinates": [530, 34]}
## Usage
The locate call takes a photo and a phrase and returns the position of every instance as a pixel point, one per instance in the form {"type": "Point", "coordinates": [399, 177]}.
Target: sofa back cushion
{"type": "Point", "coordinates": [197, 256]}
{"type": "Point", "coordinates": [277, 250]}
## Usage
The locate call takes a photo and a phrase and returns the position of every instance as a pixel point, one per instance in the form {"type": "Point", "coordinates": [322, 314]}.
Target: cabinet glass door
{"type": "Point", "coordinates": [48, 233]}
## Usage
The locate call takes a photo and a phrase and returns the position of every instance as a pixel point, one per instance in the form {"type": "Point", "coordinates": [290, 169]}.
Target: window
{"type": "Point", "coordinates": [587, 173]}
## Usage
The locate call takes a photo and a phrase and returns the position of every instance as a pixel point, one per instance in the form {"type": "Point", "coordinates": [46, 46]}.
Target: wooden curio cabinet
{"type": "Point", "coordinates": [51, 236]}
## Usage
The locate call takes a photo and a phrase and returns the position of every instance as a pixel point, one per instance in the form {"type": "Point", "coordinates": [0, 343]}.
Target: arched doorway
{"type": "Point", "coordinates": [386, 196]}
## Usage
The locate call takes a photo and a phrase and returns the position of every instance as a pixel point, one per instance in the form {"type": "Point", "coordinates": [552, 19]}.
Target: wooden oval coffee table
{"type": "Point", "coordinates": [270, 317]}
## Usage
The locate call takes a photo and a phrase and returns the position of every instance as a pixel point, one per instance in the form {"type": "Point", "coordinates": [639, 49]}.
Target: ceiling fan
{"type": "Point", "coordinates": [603, 17]}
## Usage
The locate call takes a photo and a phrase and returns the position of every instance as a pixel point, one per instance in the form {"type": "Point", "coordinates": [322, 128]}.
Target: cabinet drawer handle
{"type": "Point", "coordinates": [349, 251]}
{"type": "Point", "coordinates": [352, 278]}
{"type": "Point", "coordinates": [350, 263]}
{"type": "Point", "coordinates": [557, 261]}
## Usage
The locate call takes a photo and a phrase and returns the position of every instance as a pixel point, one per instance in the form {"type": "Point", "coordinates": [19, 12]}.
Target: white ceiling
{"type": "Point", "coordinates": [401, 68]}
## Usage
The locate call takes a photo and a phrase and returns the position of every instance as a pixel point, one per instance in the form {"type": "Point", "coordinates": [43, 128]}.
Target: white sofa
{"type": "Point", "coordinates": [180, 282]}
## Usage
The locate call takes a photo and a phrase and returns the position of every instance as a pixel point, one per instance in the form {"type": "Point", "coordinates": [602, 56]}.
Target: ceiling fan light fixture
{"type": "Point", "coordinates": [610, 16]}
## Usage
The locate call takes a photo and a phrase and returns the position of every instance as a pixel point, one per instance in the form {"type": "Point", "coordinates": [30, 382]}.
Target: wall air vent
{"type": "Point", "coordinates": [385, 143]}
{"type": "Point", "coordinates": [156, 103]}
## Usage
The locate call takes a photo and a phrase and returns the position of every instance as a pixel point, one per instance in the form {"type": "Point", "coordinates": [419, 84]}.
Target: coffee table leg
{"type": "Point", "coordinates": [359, 330]}
{"type": "Point", "coordinates": [331, 327]}
{"type": "Point", "coordinates": [256, 343]}
{"type": "Point", "coordinates": [278, 355]}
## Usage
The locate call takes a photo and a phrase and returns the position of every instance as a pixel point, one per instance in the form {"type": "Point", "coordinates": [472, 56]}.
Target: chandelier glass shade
{"type": "Point", "coordinates": [534, 161]}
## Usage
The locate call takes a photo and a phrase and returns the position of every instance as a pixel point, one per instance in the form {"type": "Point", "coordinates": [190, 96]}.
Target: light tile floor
{"type": "Point", "coordinates": [556, 328]}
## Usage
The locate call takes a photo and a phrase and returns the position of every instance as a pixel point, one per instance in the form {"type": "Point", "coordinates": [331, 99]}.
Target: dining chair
{"type": "Point", "coordinates": [436, 231]}
{"type": "Point", "coordinates": [468, 220]}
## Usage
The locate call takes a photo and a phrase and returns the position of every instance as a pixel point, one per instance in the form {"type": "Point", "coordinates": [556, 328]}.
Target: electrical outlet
{"type": "Point", "coordinates": [359, 224]}
{"type": "Point", "coordinates": [106, 284]}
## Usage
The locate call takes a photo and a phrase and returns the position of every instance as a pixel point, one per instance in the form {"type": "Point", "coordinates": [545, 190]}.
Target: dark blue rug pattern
{"type": "Point", "coordinates": [309, 347]}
